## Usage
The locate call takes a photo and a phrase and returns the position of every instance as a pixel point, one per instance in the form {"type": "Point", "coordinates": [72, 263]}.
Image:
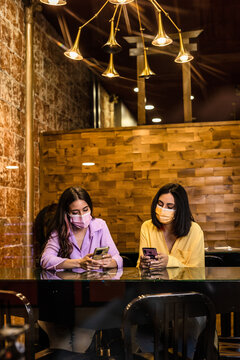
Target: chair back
{"type": "Point", "coordinates": [213, 261]}
{"type": "Point", "coordinates": [168, 313]}
{"type": "Point", "coordinates": [13, 304]}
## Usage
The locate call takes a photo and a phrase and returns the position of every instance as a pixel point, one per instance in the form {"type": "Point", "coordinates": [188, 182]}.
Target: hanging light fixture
{"type": "Point", "coordinates": [54, 2]}
{"type": "Point", "coordinates": [183, 55]}
{"type": "Point", "coordinates": [161, 38]}
{"type": "Point", "coordinates": [112, 46]}
{"type": "Point", "coordinates": [147, 72]}
{"type": "Point", "coordinates": [120, 2]}
{"type": "Point", "coordinates": [110, 72]}
{"type": "Point", "coordinates": [74, 52]}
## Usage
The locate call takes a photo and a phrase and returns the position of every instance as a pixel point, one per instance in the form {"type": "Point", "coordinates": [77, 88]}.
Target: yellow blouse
{"type": "Point", "coordinates": [186, 251]}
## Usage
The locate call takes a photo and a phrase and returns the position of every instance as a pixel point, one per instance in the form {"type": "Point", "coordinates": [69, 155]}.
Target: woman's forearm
{"type": "Point", "coordinates": [70, 264]}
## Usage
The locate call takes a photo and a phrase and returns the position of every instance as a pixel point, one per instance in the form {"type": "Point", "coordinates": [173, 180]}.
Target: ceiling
{"type": "Point", "coordinates": [215, 68]}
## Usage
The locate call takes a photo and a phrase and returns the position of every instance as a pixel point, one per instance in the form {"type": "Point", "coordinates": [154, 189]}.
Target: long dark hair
{"type": "Point", "coordinates": [61, 221]}
{"type": "Point", "coordinates": [42, 228]}
{"type": "Point", "coordinates": [183, 216]}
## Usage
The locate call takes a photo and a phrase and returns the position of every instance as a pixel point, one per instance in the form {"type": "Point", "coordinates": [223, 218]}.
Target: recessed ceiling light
{"type": "Point", "coordinates": [88, 163]}
{"type": "Point", "coordinates": [136, 89]}
{"type": "Point", "coordinates": [149, 107]}
{"type": "Point", "coordinates": [156, 120]}
{"type": "Point", "coordinates": [11, 167]}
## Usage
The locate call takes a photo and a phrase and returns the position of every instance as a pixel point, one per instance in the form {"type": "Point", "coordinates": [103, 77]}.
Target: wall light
{"type": "Point", "coordinates": [12, 167]}
{"type": "Point", "coordinates": [149, 107]}
{"type": "Point", "coordinates": [54, 2]}
{"type": "Point", "coordinates": [136, 89]}
{"type": "Point", "coordinates": [156, 120]}
{"type": "Point", "coordinates": [88, 163]}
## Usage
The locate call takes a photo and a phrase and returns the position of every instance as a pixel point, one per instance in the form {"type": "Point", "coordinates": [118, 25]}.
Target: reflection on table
{"type": "Point", "coordinates": [225, 274]}
{"type": "Point", "coordinates": [134, 274]}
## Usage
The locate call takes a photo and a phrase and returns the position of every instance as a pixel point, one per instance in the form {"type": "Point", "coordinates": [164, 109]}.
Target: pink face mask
{"type": "Point", "coordinates": [81, 221]}
{"type": "Point", "coordinates": [165, 216]}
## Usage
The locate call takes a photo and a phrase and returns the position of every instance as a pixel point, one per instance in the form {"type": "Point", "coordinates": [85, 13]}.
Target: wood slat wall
{"type": "Point", "coordinates": [133, 163]}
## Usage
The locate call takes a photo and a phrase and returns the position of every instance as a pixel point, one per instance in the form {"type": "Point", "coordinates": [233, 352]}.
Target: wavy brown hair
{"type": "Point", "coordinates": [61, 220]}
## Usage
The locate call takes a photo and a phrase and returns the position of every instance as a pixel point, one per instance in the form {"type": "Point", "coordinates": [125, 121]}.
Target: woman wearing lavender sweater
{"type": "Point", "coordinates": [71, 245]}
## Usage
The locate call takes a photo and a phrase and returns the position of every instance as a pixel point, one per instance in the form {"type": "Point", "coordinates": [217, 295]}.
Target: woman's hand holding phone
{"type": "Point", "coordinates": [103, 258]}
{"type": "Point", "coordinates": [100, 259]}
{"type": "Point", "coordinates": [87, 263]}
{"type": "Point", "coordinates": [152, 259]}
{"type": "Point", "coordinates": [160, 262]}
{"type": "Point", "coordinates": [148, 256]}
{"type": "Point", "coordinates": [106, 261]}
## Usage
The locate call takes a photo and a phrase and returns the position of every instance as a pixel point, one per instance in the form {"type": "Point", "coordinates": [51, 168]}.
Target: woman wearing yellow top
{"type": "Point", "coordinates": [172, 231]}
{"type": "Point", "coordinates": [179, 242]}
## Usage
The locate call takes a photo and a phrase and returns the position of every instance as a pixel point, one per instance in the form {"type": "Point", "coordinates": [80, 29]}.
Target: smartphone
{"type": "Point", "coordinates": [151, 252]}
{"type": "Point", "coordinates": [99, 252]}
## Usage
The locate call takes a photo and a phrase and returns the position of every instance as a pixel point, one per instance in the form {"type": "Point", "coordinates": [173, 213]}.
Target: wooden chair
{"type": "Point", "coordinates": [168, 314]}
{"type": "Point", "coordinates": [12, 305]}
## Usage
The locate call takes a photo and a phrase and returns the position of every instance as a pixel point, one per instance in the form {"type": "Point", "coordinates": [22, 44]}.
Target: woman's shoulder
{"type": "Point", "coordinates": [195, 227]}
{"type": "Point", "coordinates": [148, 225]}
{"type": "Point", "coordinates": [97, 224]}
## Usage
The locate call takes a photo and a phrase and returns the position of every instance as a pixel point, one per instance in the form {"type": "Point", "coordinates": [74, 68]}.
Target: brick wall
{"type": "Point", "coordinates": [133, 163]}
{"type": "Point", "coordinates": [62, 101]}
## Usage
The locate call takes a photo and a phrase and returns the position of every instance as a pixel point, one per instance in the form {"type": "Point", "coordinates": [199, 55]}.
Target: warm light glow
{"type": "Point", "coordinates": [74, 55]}
{"type": "Point", "coordinates": [110, 75]}
{"type": "Point", "coordinates": [183, 58]}
{"type": "Point", "coordinates": [162, 41]}
{"type": "Point", "coordinates": [192, 97]}
{"type": "Point", "coordinates": [54, 2]}
{"type": "Point", "coordinates": [136, 89]}
{"type": "Point", "coordinates": [120, 2]}
{"type": "Point", "coordinates": [149, 107]}
{"type": "Point", "coordinates": [88, 163]}
{"type": "Point", "coordinates": [156, 120]}
{"type": "Point", "coordinates": [11, 167]}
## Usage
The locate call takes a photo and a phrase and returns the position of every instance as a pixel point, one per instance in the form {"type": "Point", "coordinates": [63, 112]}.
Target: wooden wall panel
{"type": "Point", "coordinates": [133, 163]}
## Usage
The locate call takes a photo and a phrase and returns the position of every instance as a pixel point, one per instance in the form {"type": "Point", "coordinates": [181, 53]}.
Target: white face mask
{"type": "Point", "coordinates": [81, 221]}
{"type": "Point", "coordinates": [164, 216]}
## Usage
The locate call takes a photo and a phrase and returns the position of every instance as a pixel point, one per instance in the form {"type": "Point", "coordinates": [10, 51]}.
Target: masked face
{"type": "Point", "coordinates": [79, 214]}
{"type": "Point", "coordinates": [80, 221]}
{"type": "Point", "coordinates": [164, 216]}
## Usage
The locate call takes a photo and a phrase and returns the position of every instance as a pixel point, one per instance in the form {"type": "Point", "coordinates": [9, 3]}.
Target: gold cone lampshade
{"type": "Point", "coordinates": [111, 45]}
{"type": "Point", "coordinates": [54, 2]}
{"type": "Point", "coordinates": [147, 72]}
{"type": "Point", "coordinates": [110, 72]}
{"type": "Point", "coordinates": [183, 55]}
{"type": "Point", "coordinates": [120, 2]}
{"type": "Point", "coordinates": [161, 39]}
{"type": "Point", "coordinates": [74, 52]}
